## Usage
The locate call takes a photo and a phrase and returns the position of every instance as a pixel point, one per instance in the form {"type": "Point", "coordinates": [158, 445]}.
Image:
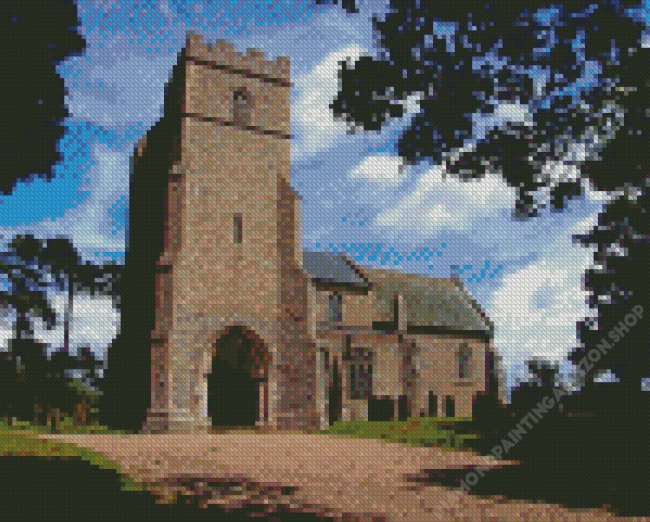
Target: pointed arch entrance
{"type": "Point", "coordinates": [237, 382]}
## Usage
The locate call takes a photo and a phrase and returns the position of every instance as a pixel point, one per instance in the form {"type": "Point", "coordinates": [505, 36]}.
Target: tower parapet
{"type": "Point", "coordinates": [223, 54]}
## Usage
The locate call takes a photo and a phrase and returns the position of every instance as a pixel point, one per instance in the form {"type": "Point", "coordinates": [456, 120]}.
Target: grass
{"type": "Point", "coordinates": [427, 432]}
{"type": "Point", "coordinates": [423, 432]}
{"type": "Point", "coordinates": [66, 427]}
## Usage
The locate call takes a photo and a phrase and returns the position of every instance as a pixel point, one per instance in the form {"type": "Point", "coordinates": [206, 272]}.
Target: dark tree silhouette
{"type": "Point", "coordinates": [61, 259]}
{"type": "Point", "coordinates": [40, 381]}
{"type": "Point", "coordinates": [616, 287]}
{"type": "Point", "coordinates": [415, 60]}
{"type": "Point", "coordinates": [69, 396]}
{"type": "Point", "coordinates": [8, 386]}
{"type": "Point", "coordinates": [542, 378]}
{"type": "Point", "coordinates": [28, 300]}
{"type": "Point", "coordinates": [26, 279]}
{"type": "Point", "coordinates": [34, 384]}
{"type": "Point", "coordinates": [32, 107]}
{"type": "Point", "coordinates": [350, 6]}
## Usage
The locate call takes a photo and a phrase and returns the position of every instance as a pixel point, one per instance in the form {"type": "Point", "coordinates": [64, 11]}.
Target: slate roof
{"type": "Point", "coordinates": [331, 267]}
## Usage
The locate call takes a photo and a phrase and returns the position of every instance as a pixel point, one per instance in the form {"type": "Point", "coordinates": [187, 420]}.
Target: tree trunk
{"type": "Point", "coordinates": [66, 320]}
{"type": "Point", "coordinates": [22, 325]}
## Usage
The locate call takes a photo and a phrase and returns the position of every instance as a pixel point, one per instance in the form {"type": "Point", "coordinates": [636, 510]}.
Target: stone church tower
{"type": "Point", "coordinates": [228, 282]}
{"type": "Point", "coordinates": [239, 327]}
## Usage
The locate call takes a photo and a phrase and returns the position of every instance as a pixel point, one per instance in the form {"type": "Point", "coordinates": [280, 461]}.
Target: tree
{"type": "Point", "coordinates": [62, 261]}
{"type": "Point", "coordinates": [39, 379]}
{"type": "Point", "coordinates": [26, 279]}
{"type": "Point", "coordinates": [32, 104]}
{"type": "Point", "coordinates": [418, 61]}
{"type": "Point", "coordinates": [622, 237]}
{"type": "Point", "coordinates": [8, 386]}
{"type": "Point", "coordinates": [73, 398]}
{"type": "Point", "coordinates": [543, 378]}
{"type": "Point", "coordinates": [35, 383]}
{"type": "Point", "coordinates": [349, 5]}
{"type": "Point", "coordinates": [26, 298]}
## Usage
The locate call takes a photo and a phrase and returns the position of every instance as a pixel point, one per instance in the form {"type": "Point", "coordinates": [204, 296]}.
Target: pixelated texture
{"type": "Point", "coordinates": [232, 263]}
{"type": "Point", "coordinates": [238, 327]}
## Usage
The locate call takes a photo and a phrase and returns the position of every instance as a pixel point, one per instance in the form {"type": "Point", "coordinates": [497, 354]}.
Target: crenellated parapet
{"type": "Point", "coordinates": [223, 54]}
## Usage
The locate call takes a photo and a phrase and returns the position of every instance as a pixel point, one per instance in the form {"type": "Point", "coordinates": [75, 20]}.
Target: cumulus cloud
{"type": "Point", "coordinates": [535, 310]}
{"type": "Point", "coordinates": [311, 111]}
{"type": "Point", "coordinates": [440, 201]}
{"type": "Point", "coordinates": [89, 224]}
{"type": "Point", "coordinates": [380, 169]}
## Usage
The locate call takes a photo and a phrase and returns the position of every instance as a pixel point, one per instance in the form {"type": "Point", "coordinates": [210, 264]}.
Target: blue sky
{"type": "Point", "coordinates": [356, 194]}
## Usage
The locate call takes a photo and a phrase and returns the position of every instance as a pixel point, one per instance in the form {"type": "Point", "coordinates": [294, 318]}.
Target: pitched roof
{"type": "Point", "coordinates": [439, 304]}
{"type": "Point", "coordinates": [331, 267]}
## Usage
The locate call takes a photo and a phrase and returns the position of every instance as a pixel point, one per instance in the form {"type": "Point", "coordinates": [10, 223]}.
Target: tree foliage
{"type": "Point", "coordinates": [36, 383]}
{"type": "Point", "coordinates": [35, 387]}
{"type": "Point", "coordinates": [26, 281]}
{"type": "Point", "coordinates": [35, 41]}
{"type": "Point", "coordinates": [616, 287]}
{"type": "Point", "coordinates": [415, 60]}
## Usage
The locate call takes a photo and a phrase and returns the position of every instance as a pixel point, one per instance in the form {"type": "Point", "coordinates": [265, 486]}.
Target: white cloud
{"type": "Point", "coordinates": [380, 169]}
{"type": "Point", "coordinates": [311, 111]}
{"type": "Point", "coordinates": [94, 322]}
{"type": "Point", "coordinates": [536, 309]}
{"type": "Point", "coordinates": [446, 202]}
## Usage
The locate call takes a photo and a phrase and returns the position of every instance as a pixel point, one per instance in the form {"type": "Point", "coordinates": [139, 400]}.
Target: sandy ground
{"type": "Point", "coordinates": [348, 479]}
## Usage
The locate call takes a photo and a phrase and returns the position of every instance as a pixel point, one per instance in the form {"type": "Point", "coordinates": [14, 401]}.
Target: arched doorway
{"type": "Point", "coordinates": [236, 382]}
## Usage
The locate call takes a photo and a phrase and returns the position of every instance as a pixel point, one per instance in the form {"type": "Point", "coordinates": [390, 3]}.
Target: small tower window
{"type": "Point", "coordinates": [241, 109]}
{"type": "Point", "coordinates": [237, 229]}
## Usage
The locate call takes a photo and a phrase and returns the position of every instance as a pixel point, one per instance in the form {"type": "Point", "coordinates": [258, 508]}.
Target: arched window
{"type": "Point", "coordinates": [241, 109]}
{"type": "Point", "coordinates": [336, 308]}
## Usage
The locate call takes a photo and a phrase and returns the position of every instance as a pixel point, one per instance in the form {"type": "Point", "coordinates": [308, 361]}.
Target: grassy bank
{"type": "Point", "coordinates": [425, 432]}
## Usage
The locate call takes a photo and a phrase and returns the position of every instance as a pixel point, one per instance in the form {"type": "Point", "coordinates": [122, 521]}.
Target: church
{"type": "Point", "coordinates": [249, 329]}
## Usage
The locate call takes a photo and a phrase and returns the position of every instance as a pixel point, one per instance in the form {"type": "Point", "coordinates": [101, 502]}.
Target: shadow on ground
{"type": "Point", "coordinates": [35, 488]}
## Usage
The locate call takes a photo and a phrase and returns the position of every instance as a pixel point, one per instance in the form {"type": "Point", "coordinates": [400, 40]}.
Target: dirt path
{"type": "Point", "coordinates": [324, 475]}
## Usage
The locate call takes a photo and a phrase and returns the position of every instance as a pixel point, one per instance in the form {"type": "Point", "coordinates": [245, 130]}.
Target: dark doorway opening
{"type": "Point", "coordinates": [433, 405]}
{"type": "Point", "coordinates": [335, 396]}
{"type": "Point", "coordinates": [380, 410]}
{"type": "Point", "coordinates": [403, 408]}
{"type": "Point", "coordinates": [233, 391]}
{"type": "Point", "coordinates": [450, 406]}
